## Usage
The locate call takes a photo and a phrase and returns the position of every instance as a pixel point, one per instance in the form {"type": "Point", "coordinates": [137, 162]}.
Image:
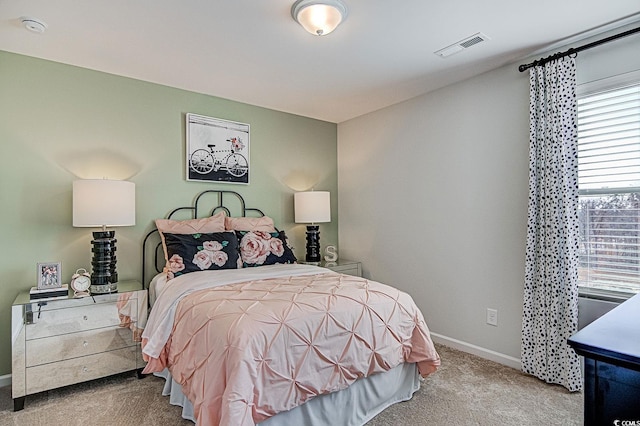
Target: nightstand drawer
{"type": "Point", "coordinates": [74, 345]}
{"type": "Point", "coordinates": [77, 370]}
{"type": "Point", "coordinates": [347, 270]}
{"type": "Point", "coordinates": [344, 267]}
{"type": "Point", "coordinates": [56, 322]}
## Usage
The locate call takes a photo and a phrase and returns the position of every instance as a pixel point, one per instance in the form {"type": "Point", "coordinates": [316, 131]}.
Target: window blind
{"type": "Point", "coordinates": [609, 140]}
{"type": "Point", "coordinates": [609, 184]}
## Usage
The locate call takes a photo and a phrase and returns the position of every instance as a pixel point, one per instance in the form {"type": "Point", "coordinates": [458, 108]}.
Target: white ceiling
{"type": "Point", "coordinates": [253, 51]}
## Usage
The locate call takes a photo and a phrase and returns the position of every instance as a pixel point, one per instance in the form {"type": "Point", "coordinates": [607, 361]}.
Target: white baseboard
{"type": "Point", "coordinates": [478, 351]}
{"type": "Point", "coordinates": [5, 380]}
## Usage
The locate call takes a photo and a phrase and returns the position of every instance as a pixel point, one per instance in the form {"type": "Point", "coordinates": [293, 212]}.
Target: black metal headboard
{"type": "Point", "coordinates": [230, 202]}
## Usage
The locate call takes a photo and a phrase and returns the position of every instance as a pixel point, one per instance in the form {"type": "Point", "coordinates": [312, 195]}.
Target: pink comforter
{"type": "Point", "coordinates": [244, 352]}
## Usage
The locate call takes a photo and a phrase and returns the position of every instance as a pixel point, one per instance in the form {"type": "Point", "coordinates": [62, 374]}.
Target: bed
{"type": "Point", "coordinates": [244, 335]}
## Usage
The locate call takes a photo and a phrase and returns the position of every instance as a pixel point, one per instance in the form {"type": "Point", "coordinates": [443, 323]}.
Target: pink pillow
{"type": "Point", "coordinates": [206, 225]}
{"type": "Point", "coordinates": [264, 224]}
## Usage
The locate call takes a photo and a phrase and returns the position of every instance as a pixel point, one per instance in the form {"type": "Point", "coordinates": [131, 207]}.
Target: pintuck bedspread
{"type": "Point", "coordinates": [258, 343]}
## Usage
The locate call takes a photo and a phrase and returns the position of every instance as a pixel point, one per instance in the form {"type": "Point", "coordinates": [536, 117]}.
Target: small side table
{"type": "Point", "coordinates": [344, 266]}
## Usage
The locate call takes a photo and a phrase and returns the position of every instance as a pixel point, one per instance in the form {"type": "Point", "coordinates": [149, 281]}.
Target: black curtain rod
{"type": "Point", "coordinates": [575, 50]}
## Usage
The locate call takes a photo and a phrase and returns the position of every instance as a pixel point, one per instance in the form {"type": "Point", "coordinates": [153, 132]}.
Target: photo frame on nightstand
{"type": "Point", "coordinates": [49, 275]}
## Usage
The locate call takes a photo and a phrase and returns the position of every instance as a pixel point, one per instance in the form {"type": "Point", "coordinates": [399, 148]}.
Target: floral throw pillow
{"type": "Point", "coordinates": [200, 252]}
{"type": "Point", "coordinates": [259, 248]}
{"type": "Point", "coordinates": [213, 223]}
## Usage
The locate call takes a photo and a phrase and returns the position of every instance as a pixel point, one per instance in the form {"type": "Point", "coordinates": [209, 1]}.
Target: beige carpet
{"type": "Point", "coordinates": [466, 390]}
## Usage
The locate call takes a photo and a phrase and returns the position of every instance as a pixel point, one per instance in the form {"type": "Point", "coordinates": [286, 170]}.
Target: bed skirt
{"type": "Point", "coordinates": [353, 406]}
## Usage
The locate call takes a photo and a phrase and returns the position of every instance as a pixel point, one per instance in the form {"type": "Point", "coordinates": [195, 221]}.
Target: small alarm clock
{"type": "Point", "coordinates": [80, 283]}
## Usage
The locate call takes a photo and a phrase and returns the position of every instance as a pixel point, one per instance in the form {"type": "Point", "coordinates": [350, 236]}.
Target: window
{"type": "Point", "coordinates": [609, 184]}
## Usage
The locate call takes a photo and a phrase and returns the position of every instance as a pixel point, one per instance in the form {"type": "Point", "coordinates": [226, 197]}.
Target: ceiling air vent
{"type": "Point", "coordinates": [461, 45]}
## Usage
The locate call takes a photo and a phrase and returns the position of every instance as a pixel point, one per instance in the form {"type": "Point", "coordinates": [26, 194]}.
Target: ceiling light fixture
{"type": "Point", "coordinates": [33, 24]}
{"type": "Point", "coordinates": [319, 17]}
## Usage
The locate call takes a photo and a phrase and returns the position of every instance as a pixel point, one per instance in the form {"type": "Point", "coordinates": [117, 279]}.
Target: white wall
{"type": "Point", "coordinates": [614, 58]}
{"type": "Point", "coordinates": [433, 198]}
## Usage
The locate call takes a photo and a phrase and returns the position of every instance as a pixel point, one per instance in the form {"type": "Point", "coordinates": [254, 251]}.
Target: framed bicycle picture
{"type": "Point", "coordinates": [49, 275]}
{"type": "Point", "coordinates": [217, 150]}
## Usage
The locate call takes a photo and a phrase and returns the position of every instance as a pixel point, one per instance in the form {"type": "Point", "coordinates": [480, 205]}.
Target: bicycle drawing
{"type": "Point", "coordinates": [217, 150]}
{"type": "Point", "coordinates": [204, 161]}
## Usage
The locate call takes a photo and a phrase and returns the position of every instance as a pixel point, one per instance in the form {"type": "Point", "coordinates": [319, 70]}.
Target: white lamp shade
{"type": "Point", "coordinates": [103, 202]}
{"type": "Point", "coordinates": [312, 207]}
{"type": "Point", "coordinates": [319, 17]}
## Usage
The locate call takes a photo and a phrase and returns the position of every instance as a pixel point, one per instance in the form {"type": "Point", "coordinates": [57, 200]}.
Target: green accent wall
{"type": "Point", "coordinates": [59, 123]}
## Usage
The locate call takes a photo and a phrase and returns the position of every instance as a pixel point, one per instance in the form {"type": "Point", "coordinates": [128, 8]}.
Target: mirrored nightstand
{"type": "Point", "coordinates": [343, 266]}
{"type": "Point", "coordinates": [63, 341]}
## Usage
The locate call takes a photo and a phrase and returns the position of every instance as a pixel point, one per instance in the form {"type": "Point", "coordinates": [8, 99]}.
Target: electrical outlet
{"type": "Point", "coordinates": [492, 316]}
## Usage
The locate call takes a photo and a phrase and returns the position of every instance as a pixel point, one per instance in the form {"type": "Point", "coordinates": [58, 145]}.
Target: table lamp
{"type": "Point", "coordinates": [312, 207]}
{"type": "Point", "coordinates": [99, 203]}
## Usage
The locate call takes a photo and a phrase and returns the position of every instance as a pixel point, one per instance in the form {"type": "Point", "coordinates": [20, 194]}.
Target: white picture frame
{"type": "Point", "coordinates": [49, 275]}
{"type": "Point", "coordinates": [217, 150]}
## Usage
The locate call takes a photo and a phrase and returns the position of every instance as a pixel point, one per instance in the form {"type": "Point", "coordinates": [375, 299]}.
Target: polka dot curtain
{"type": "Point", "coordinates": [550, 311]}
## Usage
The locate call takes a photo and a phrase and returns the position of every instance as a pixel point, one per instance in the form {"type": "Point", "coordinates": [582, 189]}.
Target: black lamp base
{"type": "Point", "coordinates": [313, 244]}
{"type": "Point", "coordinates": [104, 277]}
